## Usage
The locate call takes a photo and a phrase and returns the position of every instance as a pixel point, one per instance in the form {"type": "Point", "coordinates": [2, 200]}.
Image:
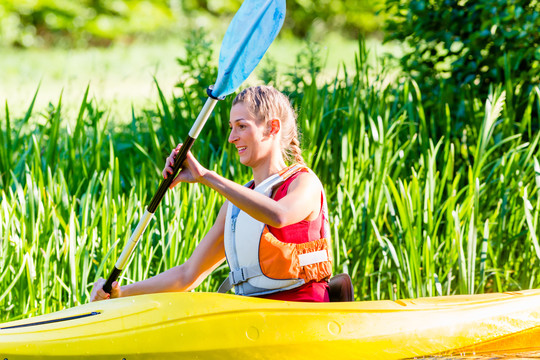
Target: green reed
{"type": "Point", "coordinates": [423, 202]}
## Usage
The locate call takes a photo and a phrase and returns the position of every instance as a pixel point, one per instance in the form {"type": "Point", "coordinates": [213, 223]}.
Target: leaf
{"type": "Point", "coordinates": [537, 173]}
{"type": "Point", "coordinates": [532, 229]}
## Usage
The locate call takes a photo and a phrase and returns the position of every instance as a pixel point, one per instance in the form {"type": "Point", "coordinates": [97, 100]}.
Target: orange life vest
{"type": "Point", "coordinates": [262, 264]}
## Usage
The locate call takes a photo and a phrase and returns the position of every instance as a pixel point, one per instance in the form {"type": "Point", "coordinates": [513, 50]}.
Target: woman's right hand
{"type": "Point", "coordinates": [99, 294]}
{"type": "Point", "coordinates": [192, 171]}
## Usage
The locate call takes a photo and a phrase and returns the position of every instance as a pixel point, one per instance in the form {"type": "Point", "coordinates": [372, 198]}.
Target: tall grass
{"type": "Point", "coordinates": [422, 203]}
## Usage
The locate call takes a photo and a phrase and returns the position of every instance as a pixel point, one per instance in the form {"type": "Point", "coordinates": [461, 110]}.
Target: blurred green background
{"type": "Point", "coordinates": [29, 23]}
{"type": "Point", "coordinates": [118, 47]}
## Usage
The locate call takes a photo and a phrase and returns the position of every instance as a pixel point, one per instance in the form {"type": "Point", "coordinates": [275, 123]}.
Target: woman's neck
{"type": "Point", "coordinates": [267, 169]}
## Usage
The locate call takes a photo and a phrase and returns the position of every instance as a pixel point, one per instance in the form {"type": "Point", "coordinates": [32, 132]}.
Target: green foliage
{"type": "Point", "coordinates": [198, 70]}
{"type": "Point", "coordinates": [100, 22]}
{"type": "Point", "coordinates": [352, 17]}
{"type": "Point", "coordinates": [470, 45]}
{"type": "Point", "coordinates": [413, 213]}
{"type": "Point", "coordinates": [79, 22]}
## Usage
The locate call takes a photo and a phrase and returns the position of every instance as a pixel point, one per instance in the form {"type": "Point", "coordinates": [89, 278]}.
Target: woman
{"type": "Point", "coordinates": [274, 238]}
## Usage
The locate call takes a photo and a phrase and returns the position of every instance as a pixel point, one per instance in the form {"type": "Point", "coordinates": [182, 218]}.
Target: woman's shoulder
{"type": "Point", "coordinates": [306, 180]}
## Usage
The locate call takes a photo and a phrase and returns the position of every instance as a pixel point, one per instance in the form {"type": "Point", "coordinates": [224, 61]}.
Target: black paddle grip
{"type": "Point", "coordinates": [166, 183]}
{"type": "Point", "coordinates": [112, 277]}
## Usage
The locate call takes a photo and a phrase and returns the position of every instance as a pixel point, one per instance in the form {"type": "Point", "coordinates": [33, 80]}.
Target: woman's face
{"type": "Point", "coordinates": [249, 135]}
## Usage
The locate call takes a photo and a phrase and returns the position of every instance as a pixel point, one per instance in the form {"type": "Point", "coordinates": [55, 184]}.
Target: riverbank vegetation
{"type": "Point", "coordinates": [445, 202]}
{"type": "Point", "coordinates": [430, 161]}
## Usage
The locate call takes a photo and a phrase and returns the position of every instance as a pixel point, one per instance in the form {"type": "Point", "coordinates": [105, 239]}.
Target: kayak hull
{"type": "Point", "coordinates": [219, 326]}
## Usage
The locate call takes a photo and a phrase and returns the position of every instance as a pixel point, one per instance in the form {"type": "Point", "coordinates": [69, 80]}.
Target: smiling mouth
{"type": "Point", "coordinates": [241, 149]}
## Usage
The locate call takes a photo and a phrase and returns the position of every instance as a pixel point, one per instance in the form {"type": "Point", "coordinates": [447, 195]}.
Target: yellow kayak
{"type": "Point", "coordinates": [219, 326]}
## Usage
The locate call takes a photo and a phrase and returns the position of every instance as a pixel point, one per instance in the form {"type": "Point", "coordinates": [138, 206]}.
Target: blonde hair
{"type": "Point", "coordinates": [266, 103]}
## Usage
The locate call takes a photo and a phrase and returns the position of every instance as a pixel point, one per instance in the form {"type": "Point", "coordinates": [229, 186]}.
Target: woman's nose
{"type": "Point", "coordinates": [232, 137]}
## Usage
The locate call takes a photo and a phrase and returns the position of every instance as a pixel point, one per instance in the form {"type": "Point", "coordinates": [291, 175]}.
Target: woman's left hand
{"type": "Point", "coordinates": [99, 294]}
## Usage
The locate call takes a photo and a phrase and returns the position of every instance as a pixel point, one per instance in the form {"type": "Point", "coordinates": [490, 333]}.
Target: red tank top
{"type": "Point", "coordinates": [298, 233]}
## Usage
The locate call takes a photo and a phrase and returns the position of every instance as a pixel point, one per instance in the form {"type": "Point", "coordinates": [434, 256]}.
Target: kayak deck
{"type": "Point", "coordinates": [219, 326]}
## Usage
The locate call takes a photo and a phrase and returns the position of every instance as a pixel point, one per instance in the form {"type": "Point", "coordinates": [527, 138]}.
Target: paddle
{"type": "Point", "coordinates": [252, 30]}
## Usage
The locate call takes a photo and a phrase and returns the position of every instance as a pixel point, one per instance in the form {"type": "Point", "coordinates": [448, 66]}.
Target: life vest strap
{"type": "Point", "coordinates": [225, 286]}
{"type": "Point", "coordinates": [245, 273]}
{"type": "Point", "coordinates": [239, 276]}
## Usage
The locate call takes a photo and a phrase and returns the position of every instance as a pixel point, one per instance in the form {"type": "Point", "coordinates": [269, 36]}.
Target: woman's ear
{"type": "Point", "coordinates": [275, 126]}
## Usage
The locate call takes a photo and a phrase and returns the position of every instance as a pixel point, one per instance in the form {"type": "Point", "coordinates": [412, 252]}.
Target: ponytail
{"type": "Point", "coordinates": [294, 151]}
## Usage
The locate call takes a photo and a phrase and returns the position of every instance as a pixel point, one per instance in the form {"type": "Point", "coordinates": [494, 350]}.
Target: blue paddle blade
{"type": "Point", "coordinates": [252, 30]}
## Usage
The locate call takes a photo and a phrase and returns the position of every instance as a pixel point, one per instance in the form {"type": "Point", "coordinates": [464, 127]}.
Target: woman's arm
{"type": "Point", "coordinates": [302, 202]}
{"type": "Point", "coordinates": [208, 255]}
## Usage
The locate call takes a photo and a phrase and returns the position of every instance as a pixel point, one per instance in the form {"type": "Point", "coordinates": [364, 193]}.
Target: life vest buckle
{"type": "Point", "coordinates": [238, 276]}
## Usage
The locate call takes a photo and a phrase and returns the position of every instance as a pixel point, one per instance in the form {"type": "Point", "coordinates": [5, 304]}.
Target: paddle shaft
{"type": "Point", "coordinates": [163, 187]}
{"type": "Point", "coordinates": [251, 31]}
